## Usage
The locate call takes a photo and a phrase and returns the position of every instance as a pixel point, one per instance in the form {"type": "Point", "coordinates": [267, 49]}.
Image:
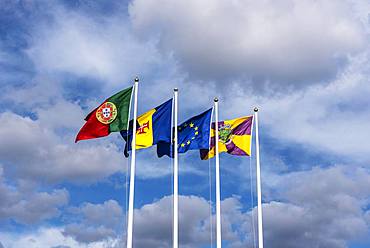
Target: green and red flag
{"type": "Point", "coordinates": [110, 116]}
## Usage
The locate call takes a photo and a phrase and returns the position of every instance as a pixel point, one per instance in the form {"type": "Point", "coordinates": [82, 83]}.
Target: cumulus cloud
{"type": "Point", "coordinates": [48, 237]}
{"type": "Point", "coordinates": [153, 223]}
{"type": "Point", "coordinates": [99, 222]}
{"type": "Point", "coordinates": [290, 42]}
{"type": "Point", "coordinates": [153, 226]}
{"type": "Point", "coordinates": [103, 49]}
{"type": "Point", "coordinates": [328, 213]}
{"type": "Point", "coordinates": [34, 152]}
{"type": "Point", "coordinates": [328, 118]}
{"type": "Point", "coordinates": [285, 43]}
{"type": "Point", "coordinates": [318, 208]}
{"type": "Point", "coordinates": [26, 205]}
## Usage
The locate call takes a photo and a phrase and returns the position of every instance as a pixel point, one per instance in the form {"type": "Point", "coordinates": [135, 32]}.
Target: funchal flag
{"type": "Point", "coordinates": [234, 138]}
{"type": "Point", "coordinates": [153, 127]}
{"type": "Point", "coordinates": [193, 134]}
{"type": "Point", "coordinates": [110, 116]}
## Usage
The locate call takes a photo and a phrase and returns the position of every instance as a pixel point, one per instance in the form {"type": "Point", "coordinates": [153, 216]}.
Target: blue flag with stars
{"type": "Point", "coordinates": [193, 134]}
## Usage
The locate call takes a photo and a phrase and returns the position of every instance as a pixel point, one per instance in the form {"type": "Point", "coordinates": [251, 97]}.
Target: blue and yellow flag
{"type": "Point", "coordinates": [193, 134]}
{"type": "Point", "coordinates": [152, 127]}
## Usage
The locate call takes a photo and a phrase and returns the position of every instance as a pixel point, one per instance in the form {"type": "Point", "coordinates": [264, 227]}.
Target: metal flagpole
{"type": "Point", "coordinates": [259, 195]}
{"type": "Point", "coordinates": [132, 171]}
{"type": "Point", "coordinates": [218, 194]}
{"type": "Point", "coordinates": [175, 177]}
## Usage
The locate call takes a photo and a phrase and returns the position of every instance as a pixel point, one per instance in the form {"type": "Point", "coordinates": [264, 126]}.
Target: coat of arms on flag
{"type": "Point", "coordinates": [153, 127]}
{"type": "Point", "coordinates": [110, 116]}
{"type": "Point", "coordinates": [234, 137]}
{"type": "Point", "coordinates": [106, 113]}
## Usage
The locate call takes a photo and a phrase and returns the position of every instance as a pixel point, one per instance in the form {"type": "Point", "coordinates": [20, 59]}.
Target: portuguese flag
{"type": "Point", "coordinates": [110, 116]}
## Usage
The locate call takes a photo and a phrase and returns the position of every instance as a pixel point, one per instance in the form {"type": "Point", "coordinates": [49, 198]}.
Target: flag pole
{"type": "Point", "coordinates": [175, 176]}
{"type": "Point", "coordinates": [259, 194]}
{"type": "Point", "coordinates": [130, 224]}
{"type": "Point", "coordinates": [218, 194]}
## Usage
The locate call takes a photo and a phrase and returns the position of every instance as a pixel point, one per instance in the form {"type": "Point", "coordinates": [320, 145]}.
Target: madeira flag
{"type": "Point", "coordinates": [234, 137]}
{"type": "Point", "coordinates": [110, 116]}
{"type": "Point", "coordinates": [152, 127]}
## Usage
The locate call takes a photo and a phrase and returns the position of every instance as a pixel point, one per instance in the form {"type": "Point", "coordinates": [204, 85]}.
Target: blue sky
{"type": "Point", "coordinates": [304, 63]}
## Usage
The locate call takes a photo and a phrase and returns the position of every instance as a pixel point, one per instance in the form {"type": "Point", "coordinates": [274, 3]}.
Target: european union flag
{"type": "Point", "coordinates": [193, 134]}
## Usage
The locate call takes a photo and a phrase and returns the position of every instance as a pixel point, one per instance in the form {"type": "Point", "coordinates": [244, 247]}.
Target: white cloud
{"type": "Point", "coordinates": [328, 118]}
{"type": "Point", "coordinates": [289, 41]}
{"type": "Point", "coordinates": [328, 213]}
{"type": "Point", "coordinates": [158, 215]}
{"type": "Point", "coordinates": [153, 226]}
{"type": "Point", "coordinates": [320, 207]}
{"type": "Point", "coordinates": [103, 49]}
{"type": "Point", "coordinates": [100, 222]}
{"type": "Point", "coordinates": [278, 41]}
{"type": "Point", "coordinates": [108, 213]}
{"type": "Point", "coordinates": [34, 152]}
{"type": "Point", "coordinates": [83, 46]}
{"type": "Point", "coordinates": [62, 114]}
{"type": "Point", "coordinates": [24, 204]}
{"type": "Point", "coordinates": [153, 222]}
{"type": "Point", "coordinates": [48, 237]}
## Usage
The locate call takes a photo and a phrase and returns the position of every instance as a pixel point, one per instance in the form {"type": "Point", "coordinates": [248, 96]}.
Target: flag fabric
{"type": "Point", "coordinates": [234, 138]}
{"type": "Point", "coordinates": [152, 127]}
{"type": "Point", "coordinates": [110, 116]}
{"type": "Point", "coordinates": [193, 134]}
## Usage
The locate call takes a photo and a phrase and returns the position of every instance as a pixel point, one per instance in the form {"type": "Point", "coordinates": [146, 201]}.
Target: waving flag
{"type": "Point", "coordinates": [234, 137]}
{"type": "Point", "coordinates": [110, 116]}
{"type": "Point", "coordinates": [153, 127]}
{"type": "Point", "coordinates": [193, 134]}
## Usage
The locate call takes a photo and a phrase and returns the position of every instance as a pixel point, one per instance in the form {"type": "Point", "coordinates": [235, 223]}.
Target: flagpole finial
{"type": "Point", "coordinates": [136, 79]}
{"type": "Point", "coordinates": [175, 89]}
{"type": "Point", "coordinates": [216, 99]}
{"type": "Point", "coordinates": [255, 109]}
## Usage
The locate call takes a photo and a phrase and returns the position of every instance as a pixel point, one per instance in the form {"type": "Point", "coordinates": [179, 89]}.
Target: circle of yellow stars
{"type": "Point", "coordinates": [196, 132]}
